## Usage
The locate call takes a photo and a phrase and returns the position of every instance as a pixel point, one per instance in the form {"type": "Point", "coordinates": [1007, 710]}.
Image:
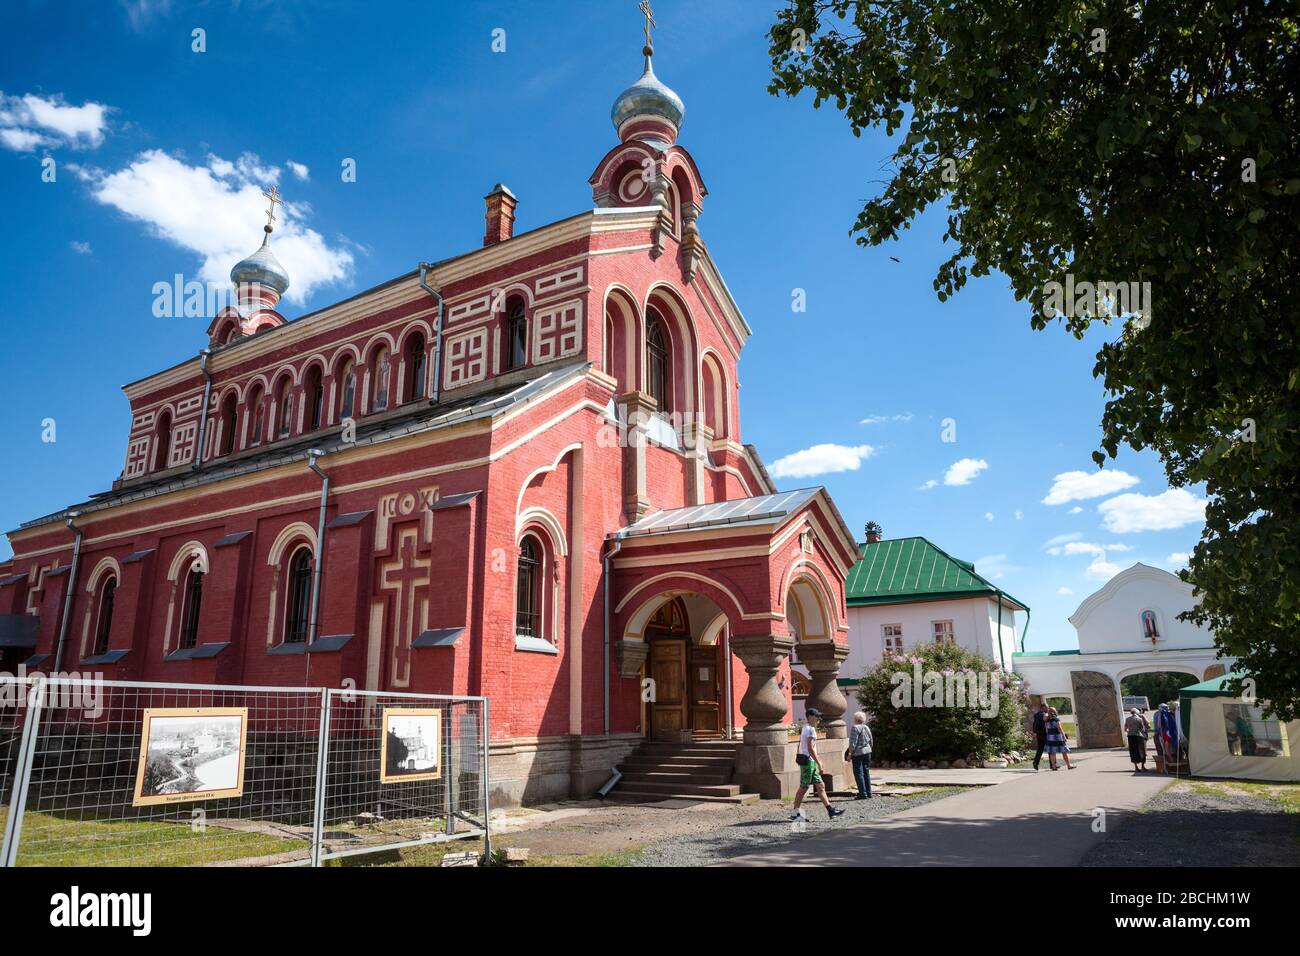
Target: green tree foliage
{"type": "Point", "coordinates": [1143, 141]}
{"type": "Point", "coordinates": [901, 731]}
{"type": "Point", "coordinates": [1158, 688]}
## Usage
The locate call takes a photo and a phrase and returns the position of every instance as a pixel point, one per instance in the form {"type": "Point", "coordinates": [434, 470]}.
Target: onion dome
{"type": "Point", "coordinates": [262, 269]}
{"type": "Point", "coordinates": [648, 109]}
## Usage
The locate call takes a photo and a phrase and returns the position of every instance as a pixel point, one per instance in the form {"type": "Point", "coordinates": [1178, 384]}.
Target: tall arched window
{"type": "Point", "coordinates": [415, 368]}
{"type": "Point", "coordinates": [104, 627]}
{"type": "Point", "coordinates": [229, 412]}
{"type": "Point", "coordinates": [164, 443]}
{"type": "Point", "coordinates": [193, 601]}
{"type": "Point", "coordinates": [298, 600]}
{"type": "Point", "coordinates": [379, 369]}
{"type": "Point", "coordinates": [528, 589]}
{"type": "Point", "coordinates": [348, 390]}
{"type": "Point", "coordinates": [515, 347]}
{"type": "Point", "coordinates": [257, 409]}
{"type": "Point", "coordinates": [315, 395]}
{"type": "Point", "coordinates": [284, 402]}
{"type": "Point", "coordinates": [657, 375]}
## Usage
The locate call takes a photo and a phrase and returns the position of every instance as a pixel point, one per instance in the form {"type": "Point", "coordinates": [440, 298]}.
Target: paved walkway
{"type": "Point", "coordinates": [1042, 819]}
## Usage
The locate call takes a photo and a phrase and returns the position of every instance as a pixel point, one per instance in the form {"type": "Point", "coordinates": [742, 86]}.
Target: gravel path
{"type": "Point", "coordinates": [772, 828]}
{"type": "Point", "coordinates": [1185, 826]}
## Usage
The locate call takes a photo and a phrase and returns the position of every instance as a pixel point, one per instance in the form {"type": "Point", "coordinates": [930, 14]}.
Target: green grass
{"type": "Point", "coordinates": [1285, 795]}
{"type": "Point", "coordinates": [49, 840]}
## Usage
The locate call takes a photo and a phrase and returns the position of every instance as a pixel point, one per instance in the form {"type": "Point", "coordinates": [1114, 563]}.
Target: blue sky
{"type": "Point", "coordinates": [160, 153]}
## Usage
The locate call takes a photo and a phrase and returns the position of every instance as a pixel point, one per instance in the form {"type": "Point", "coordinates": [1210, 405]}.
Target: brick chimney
{"type": "Point", "coordinates": [873, 532]}
{"type": "Point", "coordinates": [501, 204]}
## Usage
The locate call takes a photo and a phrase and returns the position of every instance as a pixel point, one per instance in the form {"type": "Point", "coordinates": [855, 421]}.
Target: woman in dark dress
{"type": "Point", "coordinates": [1056, 740]}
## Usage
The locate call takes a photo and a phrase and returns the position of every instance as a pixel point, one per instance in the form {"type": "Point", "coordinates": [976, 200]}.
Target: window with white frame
{"type": "Point", "coordinates": [943, 632]}
{"type": "Point", "coordinates": [892, 635]}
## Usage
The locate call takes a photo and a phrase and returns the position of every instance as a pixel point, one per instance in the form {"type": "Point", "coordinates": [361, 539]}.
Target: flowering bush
{"type": "Point", "coordinates": [942, 702]}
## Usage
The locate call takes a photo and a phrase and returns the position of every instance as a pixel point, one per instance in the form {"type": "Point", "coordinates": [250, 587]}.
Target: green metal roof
{"type": "Point", "coordinates": [1214, 687]}
{"type": "Point", "coordinates": [911, 569]}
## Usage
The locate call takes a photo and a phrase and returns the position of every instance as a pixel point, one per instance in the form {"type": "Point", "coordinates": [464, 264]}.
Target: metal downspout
{"type": "Point", "coordinates": [313, 625]}
{"type": "Point", "coordinates": [608, 583]}
{"type": "Point", "coordinates": [1024, 632]}
{"type": "Point", "coordinates": [437, 332]}
{"type": "Point", "coordinates": [203, 412]}
{"type": "Point", "coordinates": [67, 598]}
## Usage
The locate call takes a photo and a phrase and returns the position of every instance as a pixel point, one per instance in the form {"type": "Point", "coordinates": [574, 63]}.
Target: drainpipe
{"type": "Point", "coordinates": [437, 334]}
{"type": "Point", "coordinates": [203, 412]}
{"type": "Point", "coordinates": [609, 581]}
{"type": "Point", "coordinates": [313, 622]}
{"type": "Point", "coordinates": [1024, 631]}
{"type": "Point", "coordinates": [67, 599]}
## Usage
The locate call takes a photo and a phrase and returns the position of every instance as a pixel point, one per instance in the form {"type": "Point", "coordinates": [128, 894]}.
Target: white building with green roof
{"type": "Point", "coordinates": [904, 592]}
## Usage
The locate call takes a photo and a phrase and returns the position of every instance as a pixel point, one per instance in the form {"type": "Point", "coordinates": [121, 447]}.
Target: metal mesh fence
{"type": "Point", "coordinates": [105, 773]}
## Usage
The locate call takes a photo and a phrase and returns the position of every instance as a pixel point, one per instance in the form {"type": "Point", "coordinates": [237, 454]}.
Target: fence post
{"type": "Point", "coordinates": [322, 757]}
{"type": "Point", "coordinates": [22, 775]}
{"type": "Point", "coordinates": [449, 768]}
{"type": "Point", "coordinates": [487, 815]}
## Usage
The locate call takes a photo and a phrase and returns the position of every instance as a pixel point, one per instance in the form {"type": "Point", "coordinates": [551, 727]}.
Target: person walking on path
{"type": "Point", "coordinates": [1040, 733]}
{"type": "Point", "coordinates": [860, 753]}
{"type": "Point", "coordinates": [1136, 729]}
{"type": "Point", "coordinates": [1056, 740]}
{"type": "Point", "coordinates": [810, 768]}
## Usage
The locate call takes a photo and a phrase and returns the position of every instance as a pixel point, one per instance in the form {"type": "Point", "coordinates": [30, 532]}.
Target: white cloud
{"type": "Point", "coordinates": [928, 485]}
{"type": "Point", "coordinates": [1174, 508]}
{"type": "Point", "coordinates": [216, 211]}
{"type": "Point", "coordinates": [300, 172]}
{"type": "Point", "coordinates": [994, 566]}
{"type": "Point", "coordinates": [882, 419]}
{"type": "Point", "coordinates": [988, 515]}
{"type": "Point", "coordinates": [963, 472]}
{"type": "Point", "coordinates": [140, 12]}
{"type": "Point", "coordinates": [1081, 485]}
{"type": "Point", "coordinates": [82, 248]}
{"type": "Point", "coordinates": [1177, 558]}
{"type": "Point", "coordinates": [821, 459]}
{"type": "Point", "coordinates": [30, 121]}
{"type": "Point", "coordinates": [1063, 590]}
{"type": "Point", "coordinates": [1102, 570]}
{"type": "Point", "coordinates": [1062, 538]}
{"type": "Point", "coordinates": [1076, 510]}
{"type": "Point", "coordinates": [1019, 514]}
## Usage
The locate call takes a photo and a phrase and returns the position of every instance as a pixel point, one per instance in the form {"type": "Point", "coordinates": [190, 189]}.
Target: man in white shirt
{"type": "Point", "coordinates": [810, 767]}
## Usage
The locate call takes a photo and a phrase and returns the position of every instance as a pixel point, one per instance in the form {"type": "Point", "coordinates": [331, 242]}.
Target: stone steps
{"type": "Point", "coordinates": [697, 770]}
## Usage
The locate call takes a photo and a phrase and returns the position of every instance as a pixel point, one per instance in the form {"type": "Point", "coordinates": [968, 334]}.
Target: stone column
{"type": "Point", "coordinates": [696, 438]}
{"type": "Point", "coordinates": [766, 764]}
{"type": "Point", "coordinates": [823, 661]}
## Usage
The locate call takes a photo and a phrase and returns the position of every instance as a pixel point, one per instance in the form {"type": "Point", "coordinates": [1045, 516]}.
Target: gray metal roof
{"type": "Point", "coordinates": [764, 509]}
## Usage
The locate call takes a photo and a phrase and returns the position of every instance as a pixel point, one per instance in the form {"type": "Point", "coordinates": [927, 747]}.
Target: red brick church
{"type": "Point", "coordinates": [516, 473]}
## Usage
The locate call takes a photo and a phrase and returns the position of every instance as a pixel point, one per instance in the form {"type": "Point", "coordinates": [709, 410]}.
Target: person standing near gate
{"type": "Point", "coordinates": [1040, 733]}
{"type": "Point", "coordinates": [1056, 740]}
{"type": "Point", "coordinates": [810, 767]}
{"type": "Point", "coordinates": [1136, 729]}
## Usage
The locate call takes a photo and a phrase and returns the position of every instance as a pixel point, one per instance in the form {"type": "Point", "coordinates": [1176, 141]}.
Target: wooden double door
{"type": "Point", "coordinates": [687, 688]}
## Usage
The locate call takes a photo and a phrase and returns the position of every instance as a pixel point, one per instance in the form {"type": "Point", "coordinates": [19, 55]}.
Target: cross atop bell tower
{"type": "Point", "coordinates": [649, 15]}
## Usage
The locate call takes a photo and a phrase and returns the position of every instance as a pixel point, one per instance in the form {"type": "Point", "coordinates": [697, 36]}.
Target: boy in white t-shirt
{"type": "Point", "coordinates": [810, 767]}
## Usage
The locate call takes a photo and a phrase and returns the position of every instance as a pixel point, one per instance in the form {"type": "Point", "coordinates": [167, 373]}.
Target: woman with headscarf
{"type": "Point", "coordinates": [1136, 729]}
{"type": "Point", "coordinates": [1056, 740]}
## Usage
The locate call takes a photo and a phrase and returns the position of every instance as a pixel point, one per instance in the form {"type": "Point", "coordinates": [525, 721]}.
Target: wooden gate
{"type": "Point", "coordinates": [1096, 709]}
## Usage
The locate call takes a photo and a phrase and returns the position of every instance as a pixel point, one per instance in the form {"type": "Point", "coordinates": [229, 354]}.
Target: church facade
{"type": "Point", "coordinates": [515, 473]}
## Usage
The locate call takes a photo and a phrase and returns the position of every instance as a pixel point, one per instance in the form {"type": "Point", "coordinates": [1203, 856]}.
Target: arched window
{"type": "Point", "coordinates": [348, 390]}
{"type": "Point", "coordinates": [104, 627]}
{"type": "Point", "coordinates": [608, 356]}
{"type": "Point", "coordinates": [229, 410]}
{"type": "Point", "coordinates": [379, 370]}
{"type": "Point", "coordinates": [528, 589]}
{"type": "Point", "coordinates": [285, 403]}
{"type": "Point", "coordinates": [515, 347]}
{"type": "Point", "coordinates": [415, 368]}
{"type": "Point", "coordinates": [257, 409]}
{"type": "Point", "coordinates": [657, 374]}
{"type": "Point", "coordinates": [298, 602]}
{"type": "Point", "coordinates": [315, 395]}
{"type": "Point", "coordinates": [164, 441]}
{"type": "Point", "coordinates": [193, 601]}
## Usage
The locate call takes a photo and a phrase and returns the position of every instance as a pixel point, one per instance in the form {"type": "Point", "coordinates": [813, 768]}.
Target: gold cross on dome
{"type": "Point", "coordinates": [649, 19]}
{"type": "Point", "coordinates": [274, 196]}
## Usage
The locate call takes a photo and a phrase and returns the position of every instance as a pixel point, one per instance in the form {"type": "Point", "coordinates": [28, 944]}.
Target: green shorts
{"type": "Point", "coordinates": [809, 775]}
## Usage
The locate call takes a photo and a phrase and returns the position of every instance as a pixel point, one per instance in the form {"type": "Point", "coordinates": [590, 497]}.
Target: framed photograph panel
{"type": "Point", "coordinates": [412, 748]}
{"type": "Point", "coordinates": [191, 753]}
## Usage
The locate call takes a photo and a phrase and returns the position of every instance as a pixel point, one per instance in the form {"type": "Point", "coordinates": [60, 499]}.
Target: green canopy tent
{"type": "Point", "coordinates": [1229, 735]}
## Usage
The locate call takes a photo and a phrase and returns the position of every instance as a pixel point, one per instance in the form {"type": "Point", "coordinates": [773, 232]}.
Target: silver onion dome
{"type": "Point", "coordinates": [648, 96]}
{"type": "Point", "coordinates": [261, 268]}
